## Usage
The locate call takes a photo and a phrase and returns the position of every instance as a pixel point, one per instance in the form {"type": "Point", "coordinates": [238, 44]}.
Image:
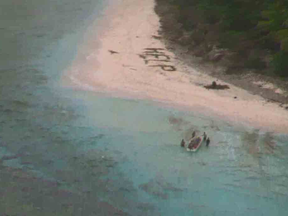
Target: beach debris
{"type": "Point", "coordinates": [235, 97]}
{"type": "Point", "coordinates": [142, 56]}
{"type": "Point", "coordinates": [282, 105]}
{"type": "Point", "coordinates": [156, 37]}
{"type": "Point", "coordinates": [113, 52]}
{"type": "Point", "coordinates": [270, 86]}
{"type": "Point", "coordinates": [216, 86]}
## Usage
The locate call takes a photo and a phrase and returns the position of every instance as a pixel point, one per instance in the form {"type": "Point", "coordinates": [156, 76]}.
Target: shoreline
{"type": "Point", "coordinates": [130, 61]}
{"type": "Point", "coordinates": [272, 88]}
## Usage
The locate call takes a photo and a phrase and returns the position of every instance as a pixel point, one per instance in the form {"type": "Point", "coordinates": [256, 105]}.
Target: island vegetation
{"type": "Point", "coordinates": [249, 34]}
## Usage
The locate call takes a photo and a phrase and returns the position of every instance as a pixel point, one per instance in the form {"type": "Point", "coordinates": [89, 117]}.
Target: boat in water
{"type": "Point", "coordinates": [195, 143]}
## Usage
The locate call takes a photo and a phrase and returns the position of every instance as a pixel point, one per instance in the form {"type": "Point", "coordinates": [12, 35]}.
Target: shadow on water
{"type": "Point", "coordinates": [258, 144]}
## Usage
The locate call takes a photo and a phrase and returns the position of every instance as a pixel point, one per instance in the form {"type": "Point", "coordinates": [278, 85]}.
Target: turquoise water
{"type": "Point", "coordinates": [116, 156]}
{"type": "Point", "coordinates": [242, 172]}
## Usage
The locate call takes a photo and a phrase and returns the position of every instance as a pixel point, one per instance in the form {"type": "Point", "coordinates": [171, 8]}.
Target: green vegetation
{"type": "Point", "coordinates": [254, 31]}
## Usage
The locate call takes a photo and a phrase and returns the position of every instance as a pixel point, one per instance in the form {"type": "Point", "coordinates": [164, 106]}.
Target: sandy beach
{"type": "Point", "coordinates": [131, 61]}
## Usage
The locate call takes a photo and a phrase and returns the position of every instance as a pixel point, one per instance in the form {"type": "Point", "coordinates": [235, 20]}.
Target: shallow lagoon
{"type": "Point", "coordinates": [243, 171]}
{"type": "Point", "coordinates": [76, 152]}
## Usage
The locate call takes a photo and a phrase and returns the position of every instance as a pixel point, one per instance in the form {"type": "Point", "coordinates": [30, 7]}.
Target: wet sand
{"type": "Point", "coordinates": [131, 61]}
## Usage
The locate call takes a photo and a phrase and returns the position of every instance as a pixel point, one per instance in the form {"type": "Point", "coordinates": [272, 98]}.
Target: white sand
{"type": "Point", "coordinates": [128, 28]}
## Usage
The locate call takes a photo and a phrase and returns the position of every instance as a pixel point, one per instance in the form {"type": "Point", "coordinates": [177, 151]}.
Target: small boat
{"type": "Point", "coordinates": [195, 143]}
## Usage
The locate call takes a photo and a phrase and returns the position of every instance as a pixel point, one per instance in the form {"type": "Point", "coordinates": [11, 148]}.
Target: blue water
{"type": "Point", "coordinates": [239, 173]}
{"type": "Point", "coordinates": [123, 152]}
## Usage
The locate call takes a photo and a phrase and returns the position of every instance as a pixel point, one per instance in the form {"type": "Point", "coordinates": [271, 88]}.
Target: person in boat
{"type": "Point", "coordinates": [190, 145]}
{"type": "Point", "coordinates": [193, 134]}
{"type": "Point", "coordinates": [207, 142]}
{"type": "Point", "coordinates": [205, 136]}
{"type": "Point", "coordinates": [182, 143]}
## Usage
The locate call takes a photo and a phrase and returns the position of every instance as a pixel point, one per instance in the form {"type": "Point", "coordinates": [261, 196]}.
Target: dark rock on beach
{"type": "Point", "coordinates": [216, 86]}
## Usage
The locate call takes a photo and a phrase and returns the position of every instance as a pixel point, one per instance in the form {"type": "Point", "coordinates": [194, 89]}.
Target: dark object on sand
{"type": "Point", "coordinates": [156, 37]}
{"type": "Point", "coordinates": [216, 86]}
{"type": "Point", "coordinates": [182, 143]}
{"type": "Point", "coordinates": [112, 52]}
{"type": "Point", "coordinates": [207, 142]}
{"type": "Point", "coordinates": [235, 97]}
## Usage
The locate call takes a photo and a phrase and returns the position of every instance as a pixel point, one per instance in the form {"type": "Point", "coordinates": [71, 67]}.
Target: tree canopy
{"type": "Point", "coordinates": [240, 25]}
